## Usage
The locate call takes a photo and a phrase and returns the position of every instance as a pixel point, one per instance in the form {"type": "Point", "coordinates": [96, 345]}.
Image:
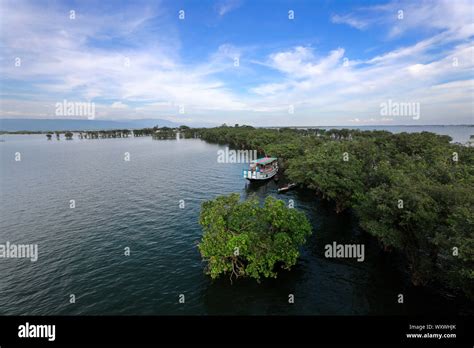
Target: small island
{"type": "Point", "coordinates": [245, 239]}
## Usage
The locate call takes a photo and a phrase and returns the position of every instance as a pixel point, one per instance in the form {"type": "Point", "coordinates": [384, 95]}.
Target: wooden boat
{"type": "Point", "coordinates": [261, 169]}
{"type": "Point", "coordinates": [286, 188]}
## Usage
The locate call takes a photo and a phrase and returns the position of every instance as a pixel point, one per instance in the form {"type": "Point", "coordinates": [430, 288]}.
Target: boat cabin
{"type": "Point", "coordinates": [262, 169]}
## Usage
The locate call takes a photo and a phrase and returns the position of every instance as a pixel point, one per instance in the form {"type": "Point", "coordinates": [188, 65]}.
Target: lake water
{"type": "Point", "coordinates": [135, 204]}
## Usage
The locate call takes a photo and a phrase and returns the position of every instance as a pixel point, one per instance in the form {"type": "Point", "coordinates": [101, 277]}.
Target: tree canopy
{"type": "Point", "coordinates": [247, 239]}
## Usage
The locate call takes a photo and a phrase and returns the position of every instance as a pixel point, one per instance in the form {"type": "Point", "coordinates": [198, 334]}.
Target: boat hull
{"type": "Point", "coordinates": [259, 176]}
{"type": "Point", "coordinates": [286, 188]}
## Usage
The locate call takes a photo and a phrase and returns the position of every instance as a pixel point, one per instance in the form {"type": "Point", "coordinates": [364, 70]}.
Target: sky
{"type": "Point", "coordinates": [257, 62]}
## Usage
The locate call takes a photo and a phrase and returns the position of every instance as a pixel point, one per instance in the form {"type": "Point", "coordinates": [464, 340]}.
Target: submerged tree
{"type": "Point", "coordinates": [245, 239]}
{"type": "Point", "coordinates": [331, 170]}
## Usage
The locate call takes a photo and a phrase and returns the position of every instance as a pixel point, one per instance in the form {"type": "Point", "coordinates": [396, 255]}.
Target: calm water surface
{"type": "Point", "coordinates": [136, 204]}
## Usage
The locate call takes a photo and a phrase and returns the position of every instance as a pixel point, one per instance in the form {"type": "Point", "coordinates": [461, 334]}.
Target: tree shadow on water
{"type": "Point", "coordinates": [246, 296]}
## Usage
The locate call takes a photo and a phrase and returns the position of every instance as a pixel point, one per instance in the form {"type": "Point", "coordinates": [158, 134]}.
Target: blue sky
{"type": "Point", "coordinates": [240, 61]}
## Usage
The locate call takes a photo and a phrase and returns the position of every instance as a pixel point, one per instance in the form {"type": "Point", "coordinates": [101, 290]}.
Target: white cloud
{"type": "Point", "coordinates": [225, 6]}
{"type": "Point", "coordinates": [455, 16]}
{"type": "Point", "coordinates": [350, 20]}
{"type": "Point", "coordinates": [270, 88]}
{"type": "Point", "coordinates": [119, 105]}
{"type": "Point", "coordinates": [442, 14]}
{"type": "Point", "coordinates": [301, 62]}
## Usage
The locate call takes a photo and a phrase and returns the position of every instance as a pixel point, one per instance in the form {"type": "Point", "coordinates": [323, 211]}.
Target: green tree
{"type": "Point", "coordinates": [332, 170]}
{"type": "Point", "coordinates": [245, 239]}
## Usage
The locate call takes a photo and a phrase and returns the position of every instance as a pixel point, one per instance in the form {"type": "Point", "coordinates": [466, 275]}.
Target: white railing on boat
{"type": "Point", "coordinates": [258, 175]}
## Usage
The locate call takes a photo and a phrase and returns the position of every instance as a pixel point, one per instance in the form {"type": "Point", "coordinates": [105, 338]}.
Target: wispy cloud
{"type": "Point", "coordinates": [399, 17]}
{"type": "Point", "coordinates": [350, 20]}
{"type": "Point", "coordinates": [225, 6]}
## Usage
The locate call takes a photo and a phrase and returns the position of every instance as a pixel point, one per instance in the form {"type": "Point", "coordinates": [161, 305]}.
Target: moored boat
{"type": "Point", "coordinates": [261, 169]}
{"type": "Point", "coordinates": [286, 188]}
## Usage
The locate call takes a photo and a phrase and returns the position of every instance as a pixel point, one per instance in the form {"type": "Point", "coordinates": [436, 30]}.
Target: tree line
{"type": "Point", "coordinates": [155, 132]}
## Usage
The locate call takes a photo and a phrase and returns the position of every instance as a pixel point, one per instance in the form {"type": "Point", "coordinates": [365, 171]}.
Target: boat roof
{"type": "Point", "coordinates": [265, 160]}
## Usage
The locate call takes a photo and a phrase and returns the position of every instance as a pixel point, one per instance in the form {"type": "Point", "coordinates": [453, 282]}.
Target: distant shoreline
{"type": "Point", "coordinates": [44, 125]}
{"type": "Point", "coordinates": [461, 134]}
